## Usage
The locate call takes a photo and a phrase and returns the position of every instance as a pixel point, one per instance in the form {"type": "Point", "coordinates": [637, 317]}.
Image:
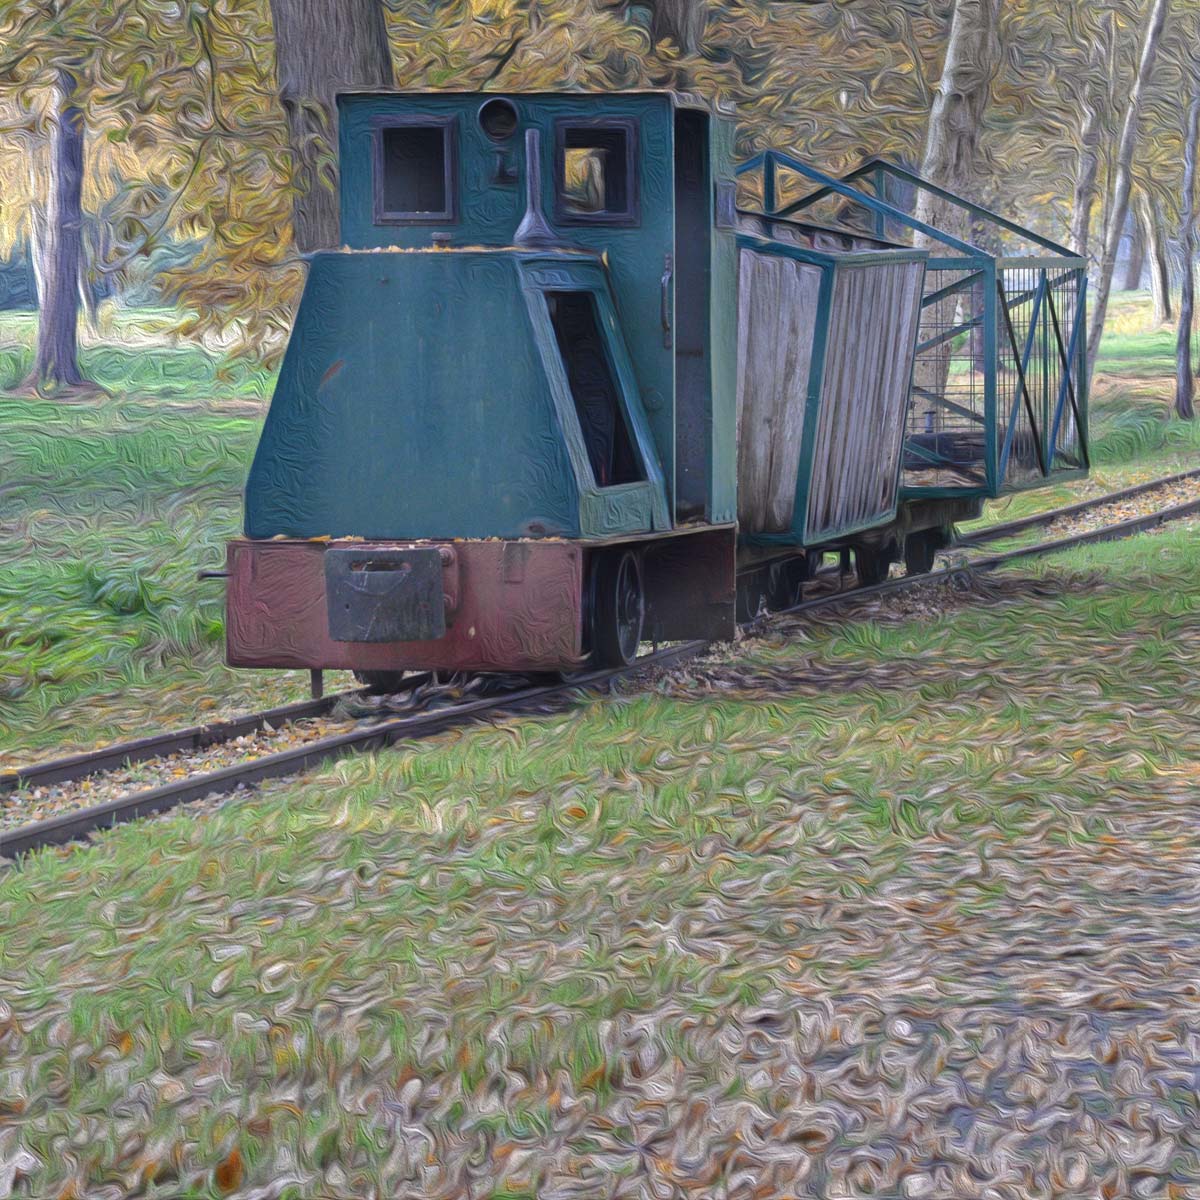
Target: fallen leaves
{"type": "Point", "coordinates": [893, 908]}
{"type": "Point", "coordinates": [230, 1172]}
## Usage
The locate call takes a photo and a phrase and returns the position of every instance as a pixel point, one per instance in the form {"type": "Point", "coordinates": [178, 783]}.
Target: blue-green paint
{"type": "Point", "coordinates": [382, 427]}
{"type": "Point", "coordinates": [723, 335]}
{"type": "Point", "coordinates": [490, 202]}
{"type": "Point", "coordinates": [607, 511]}
{"type": "Point", "coordinates": [489, 211]}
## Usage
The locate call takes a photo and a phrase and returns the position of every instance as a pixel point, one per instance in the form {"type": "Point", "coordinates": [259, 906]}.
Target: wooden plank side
{"type": "Point", "coordinates": [910, 287]}
{"type": "Point", "coordinates": [776, 325]}
{"type": "Point", "coordinates": [865, 394]}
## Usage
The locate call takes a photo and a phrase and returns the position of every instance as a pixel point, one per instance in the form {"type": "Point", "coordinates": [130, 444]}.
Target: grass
{"type": "Point", "coordinates": [481, 911]}
{"type": "Point", "coordinates": [514, 951]}
{"type": "Point", "coordinates": [111, 507]}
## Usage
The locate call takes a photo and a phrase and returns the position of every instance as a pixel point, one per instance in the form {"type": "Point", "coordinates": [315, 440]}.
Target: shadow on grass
{"type": "Point", "coordinates": [814, 674]}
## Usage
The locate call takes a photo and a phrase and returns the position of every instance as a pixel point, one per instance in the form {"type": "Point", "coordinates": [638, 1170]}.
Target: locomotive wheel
{"type": "Point", "coordinates": [618, 609]}
{"type": "Point", "coordinates": [920, 550]}
{"type": "Point", "coordinates": [871, 564]}
{"type": "Point", "coordinates": [385, 683]}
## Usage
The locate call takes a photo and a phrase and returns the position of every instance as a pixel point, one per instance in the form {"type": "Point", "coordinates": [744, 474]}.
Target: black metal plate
{"type": "Point", "coordinates": [378, 595]}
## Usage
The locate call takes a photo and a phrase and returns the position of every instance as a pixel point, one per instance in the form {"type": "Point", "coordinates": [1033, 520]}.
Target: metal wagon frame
{"type": "Point", "coordinates": [1019, 414]}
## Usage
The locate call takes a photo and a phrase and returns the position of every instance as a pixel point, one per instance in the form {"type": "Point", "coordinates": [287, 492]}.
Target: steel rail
{"type": "Point", "coordinates": [72, 825]}
{"type": "Point", "coordinates": [158, 745]}
{"type": "Point", "coordinates": [199, 737]}
{"type": "Point", "coordinates": [1107, 533]}
{"type": "Point", "coordinates": [994, 533]}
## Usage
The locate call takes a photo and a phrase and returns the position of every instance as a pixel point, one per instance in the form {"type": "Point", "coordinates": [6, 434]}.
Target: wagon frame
{"type": "Point", "coordinates": [1016, 410]}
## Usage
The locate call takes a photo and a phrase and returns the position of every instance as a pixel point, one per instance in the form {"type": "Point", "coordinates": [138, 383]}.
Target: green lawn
{"type": "Point", "coordinates": [783, 914]}
{"type": "Point", "coordinates": [524, 946]}
{"type": "Point", "coordinates": [110, 507]}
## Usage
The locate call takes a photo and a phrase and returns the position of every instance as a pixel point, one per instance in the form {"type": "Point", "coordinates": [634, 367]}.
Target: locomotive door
{"type": "Point", "coordinates": [693, 279]}
{"type": "Point", "coordinates": [611, 190]}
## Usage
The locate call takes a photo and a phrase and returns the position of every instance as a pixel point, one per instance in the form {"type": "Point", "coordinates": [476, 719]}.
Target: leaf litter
{"type": "Point", "coordinates": [902, 903]}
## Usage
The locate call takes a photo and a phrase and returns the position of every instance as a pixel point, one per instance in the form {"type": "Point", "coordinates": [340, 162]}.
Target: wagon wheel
{"type": "Point", "coordinates": [751, 596]}
{"type": "Point", "coordinates": [618, 609]}
{"type": "Point", "coordinates": [920, 550]}
{"type": "Point", "coordinates": [785, 583]}
{"type": "Point", "coordinates": [871, 564]}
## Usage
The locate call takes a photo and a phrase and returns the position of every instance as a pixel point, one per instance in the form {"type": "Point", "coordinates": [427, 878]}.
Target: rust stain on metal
{"type": "Point", "coordinates": [333, 370]}
{"type": "Point", "coordinates": [277, 613]}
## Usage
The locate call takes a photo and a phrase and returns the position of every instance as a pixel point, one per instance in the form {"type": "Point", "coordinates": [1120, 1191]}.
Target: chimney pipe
{"type": "Point", "coordinates": [533, 230]}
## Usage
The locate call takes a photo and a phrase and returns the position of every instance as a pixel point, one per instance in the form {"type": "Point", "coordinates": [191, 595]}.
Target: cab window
{"type": "Point", "coordinates": [596, 172]}
{"type": "Point", "coordinates": [414, 171]}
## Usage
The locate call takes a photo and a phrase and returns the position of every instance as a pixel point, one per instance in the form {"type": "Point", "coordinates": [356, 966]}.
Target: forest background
{"type": "Point", "coordinates": [179, 153]}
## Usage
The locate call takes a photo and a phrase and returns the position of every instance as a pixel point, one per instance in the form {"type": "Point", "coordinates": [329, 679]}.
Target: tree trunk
{"type": "Point", "coordinates": [1090, 127]}
{"type": "Point", "coordinates": [1123, 175]}
{"type": "Point", "coordinates": [952, 139]}
{"type": "Point", "coordinates": [1155, 237]}
{"type": "Point", "coordinates": [1135, 264]}
{"type": "Point", "coordinates": [951, 154]}
{"type": "Point", "coordinates": [323, 47]}
{"type": "Point", "coordinates": [59, 246]}
{"type": "Point", "coordinates": [1185, 384]}
{"type": "Point", "coordinates": [680, 21]}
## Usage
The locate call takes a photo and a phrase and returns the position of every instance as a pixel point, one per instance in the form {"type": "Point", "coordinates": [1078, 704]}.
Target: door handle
{"type": "Point", "coordinates": [668, 271]}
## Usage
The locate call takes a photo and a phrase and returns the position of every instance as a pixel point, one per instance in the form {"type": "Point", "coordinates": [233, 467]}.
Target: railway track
{"type": "Point", "coordinates": [996, 533]}
{"type": "Point", "coordinates": [78, 822]}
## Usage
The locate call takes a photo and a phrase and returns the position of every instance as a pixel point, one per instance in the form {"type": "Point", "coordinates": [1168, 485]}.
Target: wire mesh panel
{"type": "Point", "coordinates": [1038, 432]}
{"type": "Point", "coordinates": [1021, 376]}
{"type": "Point", "coordinates": [947, 443]}
{"type": "Point", "coordinates": [1068, 420]}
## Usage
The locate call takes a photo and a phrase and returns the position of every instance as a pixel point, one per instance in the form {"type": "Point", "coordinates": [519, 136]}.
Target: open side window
{"type": "Point", "coordinates": [595, 177]}
{"type": "Point", "coordinates": [415, 171]}
{"type": "Point", "coordinates": [611, 450]}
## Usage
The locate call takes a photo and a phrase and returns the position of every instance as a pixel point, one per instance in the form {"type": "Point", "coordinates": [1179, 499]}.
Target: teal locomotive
{"type": "Point", "coordinates": [563, 389]}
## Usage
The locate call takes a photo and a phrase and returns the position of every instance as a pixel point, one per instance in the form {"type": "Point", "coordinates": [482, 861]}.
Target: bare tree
{"type": "Point", "coordinates": [962, 95]}
{"type": "Point", "coordinates": [1091, 125]}
{"type": "Point", "coordinates": [1154, 237]}
{"type": "Point", "coordinates": [1185, 384]}
{"type": "Point", "coordinates": [680, 21]}
{"type": "Point", "coordinates": [1123, 173]}
{"type": "Point", "coordinates": [323, 47]}
{"type": "Point", "coordinates": [1135, 264]}
{"type": "Point", "coordinates": [952, 147]}
{"type": "Point", "coordinates": [58, 244]}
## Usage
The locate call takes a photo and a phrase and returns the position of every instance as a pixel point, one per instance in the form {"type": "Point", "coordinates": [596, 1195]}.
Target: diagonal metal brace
{"type": "Point", "coordinates": [1017, 358]}
{"type": "Point", "coordinates": [1068, 384]}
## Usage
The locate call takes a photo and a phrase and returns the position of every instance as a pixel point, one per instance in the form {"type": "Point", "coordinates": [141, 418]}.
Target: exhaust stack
{"type": "Point", "coordinates": [533, 230]}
